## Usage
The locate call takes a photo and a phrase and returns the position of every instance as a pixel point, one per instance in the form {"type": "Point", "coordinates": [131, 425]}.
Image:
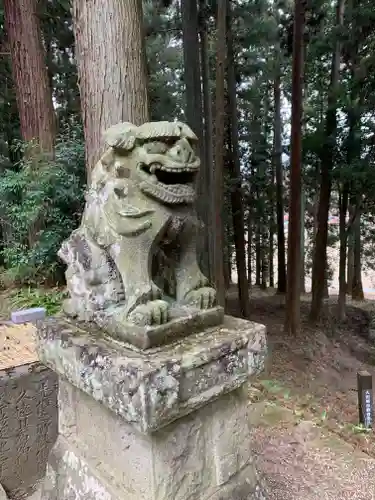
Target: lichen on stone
{"type": "Point", "coordinates": [135, 251]}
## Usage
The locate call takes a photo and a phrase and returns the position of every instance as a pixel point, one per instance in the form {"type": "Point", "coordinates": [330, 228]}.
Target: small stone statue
{"type": "Point", "coordinates": [139, 211]}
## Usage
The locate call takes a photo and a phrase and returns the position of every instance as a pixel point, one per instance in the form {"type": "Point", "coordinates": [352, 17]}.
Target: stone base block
{"type": "Point", "coordinates": [169, 423]}
{"type": "Point", "coordinates": [183, 322]}
{"type": "Point", "coordinates": [149, 389]}
{"type": "Point", "coordinates": [202, 456]}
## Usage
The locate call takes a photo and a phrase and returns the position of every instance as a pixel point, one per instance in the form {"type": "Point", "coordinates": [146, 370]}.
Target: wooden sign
{"type": "Point", "coordinates": [365, 399]}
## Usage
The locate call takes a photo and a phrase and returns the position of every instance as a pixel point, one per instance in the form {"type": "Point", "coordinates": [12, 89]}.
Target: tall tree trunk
{"type": "Point", "coordinates": [249, 247]}
{"type": "Point", "coordinates": [112, 70]}
{"type": "Point", "coordinates": [192, 68]}
{"type": "Point", "coordinates": [319, 271]}
{"type": "Point", "coordinates": [235, 174]}
{"type": "Point", "coordinates": [194, 114]}
{"type": "Point", "coordinates": [264, 258]}
{"type": "Point", "coordinates": [227, 261]}
{"type": "Point", "coordinates": [357, 287]}
{"type": "Point", "coordinates": [33, 92]}
{"type": "Point", "coordinates": [292, 318]}
{"type": "Point", "coordinates": [271, 245]}
{"type": "Point", "coordinates": [350, 263]}
{"type": "Point", "coordinates": [281, 267]}
{"type": "Point", "coordinates": [303, 195]}
{"type": "Point", "coordinates": [218, 172]}
{"type": "Point", "coordinates": [302, 277]}
{"type": "Point", "coordinates": [208, 127]}
{"type": "Point", "coordinates": [258, 253]}
{"type": "Point", "coordinates": [344, 198]}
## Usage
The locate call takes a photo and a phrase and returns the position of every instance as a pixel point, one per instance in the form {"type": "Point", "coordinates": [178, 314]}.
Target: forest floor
{"type": "Point", "coordinates": [304, 406]}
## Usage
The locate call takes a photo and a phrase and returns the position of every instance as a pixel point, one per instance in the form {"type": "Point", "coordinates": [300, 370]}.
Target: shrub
{"type": "Point", "coordinates": [42, 200]}
{"type": "Point", "coordinates": [27, 298]}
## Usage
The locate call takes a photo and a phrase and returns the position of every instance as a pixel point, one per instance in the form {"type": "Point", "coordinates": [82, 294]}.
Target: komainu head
{"type": "Point", "coordinates": [159, 157]}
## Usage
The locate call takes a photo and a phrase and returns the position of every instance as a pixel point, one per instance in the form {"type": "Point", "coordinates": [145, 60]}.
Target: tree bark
{"type": "Point", "coordinates": [357, 287]}
{"type": "Point", "coordinates": [29, 70]}
{"type": "Point", "coordinates": [302, 276]}
{"type": "Point", "coordinates": [344, 199]}
{"type": "Point", "coordinates": [272, 227]}
{"type": "Point", "coordinates": [194, 115]}
{"type": "Point", "coordinates": [350, 262]}
{"type": "Point", "coordinates": [264, 258]}
{"type": "Point", "coordinates": [236, 185]}
{"type": "Point", "coordinates": [207, 128]}
{"type": "Point", "coordinates": [258, 254]}
{"type": "Point", "coordinates": [271, 249]}
{"type": "Point", "coordinates": [319, 271]}
{"type": "Point", "coordinates": [111, 58]}
{"type": "Point", "coordinates": [227, 260]}
{"type": "Point", "coordinates": [281, 267]}
{"type": "Point", "coordinates": [292, 318]}
{"type": "Point", "coordinates": [192, 71]}
{"type": "Point", "coordinates": [218, 171]}
{"type": "Point", "coordinates": [249, 247]}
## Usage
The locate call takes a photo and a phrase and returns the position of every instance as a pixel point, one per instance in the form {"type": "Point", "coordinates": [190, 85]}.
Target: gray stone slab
{"type": "Point", "coordinates": [184, 321]}
{"type": "Point", "coordinates": [206, 454]}
{"type": "Point", "coordinates": [28, 426]}
{"type": "Point", "coordinates": [150, 389]}
{"type": "Point", "coordinates": [28, 315]}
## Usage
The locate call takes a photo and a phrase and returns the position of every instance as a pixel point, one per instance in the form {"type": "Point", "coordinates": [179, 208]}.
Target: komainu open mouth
{"type": "Point", "coordinates": [172, 184]}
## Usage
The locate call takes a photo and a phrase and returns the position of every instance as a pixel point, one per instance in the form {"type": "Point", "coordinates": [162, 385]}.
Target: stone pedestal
{"type": "Point", "coordinates": [167, 423]}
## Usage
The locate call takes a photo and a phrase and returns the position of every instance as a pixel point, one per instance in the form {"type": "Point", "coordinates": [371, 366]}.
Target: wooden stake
{"type": "Point", "coordinates": [365, 398]}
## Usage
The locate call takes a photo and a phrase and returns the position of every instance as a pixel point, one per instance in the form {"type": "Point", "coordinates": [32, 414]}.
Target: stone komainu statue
{"type": "Point", "coordinates": [138, 213]}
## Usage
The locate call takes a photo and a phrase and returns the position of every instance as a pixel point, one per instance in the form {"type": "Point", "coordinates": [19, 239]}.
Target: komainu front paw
{"type": "Point", "coordinates": [155, 312]}
{"type": "Point", "coordinates": [203, 298]}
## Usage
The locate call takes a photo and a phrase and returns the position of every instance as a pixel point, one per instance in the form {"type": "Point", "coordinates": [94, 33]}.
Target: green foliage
{"type": "Point", "coordinates": [26, 298]}
{"type": "Point", "coordinates": [165, 61]}
{"type": "Point", "coordinates": [57, 30]}
{"type": "Point", "coordinates": [41, 204]}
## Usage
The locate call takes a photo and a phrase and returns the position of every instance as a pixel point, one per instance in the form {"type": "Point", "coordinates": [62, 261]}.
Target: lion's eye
{"type": "Point", "coordinates": [156, 147]}
{"type": "Point", "coordinates": [120, 193]}
{"type": "Point", "coordinates": [123, 172]}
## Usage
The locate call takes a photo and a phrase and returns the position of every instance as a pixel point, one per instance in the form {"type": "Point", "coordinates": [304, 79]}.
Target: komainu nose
{"type": "Point", "coordinates": [182, 151]}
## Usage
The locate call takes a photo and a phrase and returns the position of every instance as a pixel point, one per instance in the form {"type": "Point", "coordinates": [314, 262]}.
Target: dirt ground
{"type": "Point", "coordinates": [304, 406]}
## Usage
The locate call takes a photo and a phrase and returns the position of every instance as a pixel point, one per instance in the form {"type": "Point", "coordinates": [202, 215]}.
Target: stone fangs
{"type": "Point", "coordinates": [169, 192]}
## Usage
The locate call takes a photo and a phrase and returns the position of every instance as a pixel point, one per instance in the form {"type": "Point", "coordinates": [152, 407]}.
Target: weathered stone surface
{"type": "Point", "coordinates": [231, 435]}
{"type": "Point", "coordinates": [71, 477]}
{"type": "Point", "coordinates": [3, 495]}
{"type": "Point", "coordinates": [183, 465]}
{"type": "Point", "coordinates": [150, 389]}
{"type": "Point", "coordinates": [35, 496]}
{"type": "Point", "coordinates": [121, 455]}
{"type": "Point", "coordinates": [103, 457]}
{"type": "Point", "coordinates": [183, 321]}
{"type": "Point", "coordinates": [134, 255]}
{"type": "Point", "coordinates": [247, 485]}
{"type": "Point", "coordinates": [28, 426]}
